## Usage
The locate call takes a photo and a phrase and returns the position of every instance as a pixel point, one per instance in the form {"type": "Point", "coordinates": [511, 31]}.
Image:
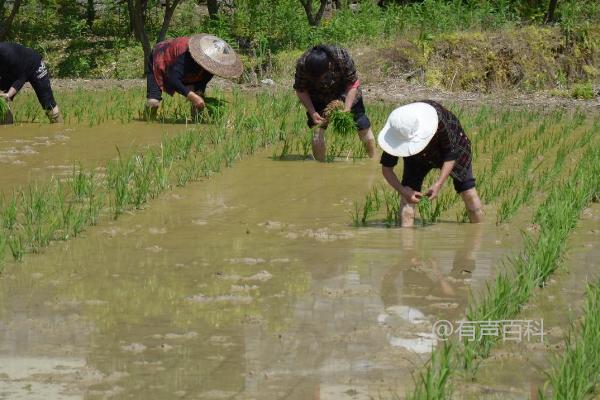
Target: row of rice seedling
{"type": "Point", "coordinates": [575, 374]}
{"type": "Point", "coordinates": [34, 216]}
{"type": "Point", "coordinates": [557, 217]}
{"type": "Point", "coordinates": [119, 105]}
{"type": "Point", "coordinates": [543, 180]}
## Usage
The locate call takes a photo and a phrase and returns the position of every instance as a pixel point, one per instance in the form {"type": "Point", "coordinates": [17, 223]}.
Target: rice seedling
{"type": "Point", "coordinates": [15, 243]}
{"type": "Point", "coordinates": [575, 373]}
{"type": "Point", "coordinates": [82, 183]}
{"type": "Point", "coordinates": [371, 206]}
{"type": "Point", "coordinates": [432, 384]}
{"type": "Point", "coordinates": [9, 214]}
{"type": "Point", "coordinates": [6, 116]}
{"type": "Point", "coordinates": [428, 211]}
{"type": "Point", "coordinates": [2, 250]}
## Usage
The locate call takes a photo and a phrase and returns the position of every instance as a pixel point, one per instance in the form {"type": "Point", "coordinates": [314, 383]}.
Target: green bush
{"type": "Point", "coordinates": [584, 91]}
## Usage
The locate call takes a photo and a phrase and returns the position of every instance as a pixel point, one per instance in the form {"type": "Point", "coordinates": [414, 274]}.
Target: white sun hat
{"type": "Point", "coordinates": [409, 129]}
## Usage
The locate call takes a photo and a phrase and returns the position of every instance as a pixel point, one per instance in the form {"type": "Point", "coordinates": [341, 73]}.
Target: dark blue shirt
{"type": "Point", "coordinates": [17, 64]}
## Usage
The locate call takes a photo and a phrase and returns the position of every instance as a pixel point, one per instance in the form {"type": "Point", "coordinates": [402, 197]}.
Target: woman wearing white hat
{"type": "Point", "coordinates": [427, 136]}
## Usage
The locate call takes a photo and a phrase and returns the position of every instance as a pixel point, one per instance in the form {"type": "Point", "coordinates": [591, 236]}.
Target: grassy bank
{"type": "Point", "coordinates": [469, 45]}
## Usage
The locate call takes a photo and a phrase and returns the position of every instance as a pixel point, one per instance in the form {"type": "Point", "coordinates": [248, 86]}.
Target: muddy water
{"type": "Point", "coordinates": [514, 370]}
{"type": "Point", "coordinates": [38, 151]}
{"type": "Point", "coordinates": [252, 285]}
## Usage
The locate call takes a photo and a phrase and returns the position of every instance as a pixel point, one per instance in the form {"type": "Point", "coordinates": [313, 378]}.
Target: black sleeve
{"type": "Point", "coordinates": [201, 86]}
{"type": "Point", "coordinates": [388, 160]}
{"type": "Point", "coordinates": [175, 74]}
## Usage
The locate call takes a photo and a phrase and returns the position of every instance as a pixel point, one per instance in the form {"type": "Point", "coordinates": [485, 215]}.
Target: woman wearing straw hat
{"type": "Point", "coordinates": [325, 74]}
{"type": "Point", "coordinates": [427, 136]}
{"type": "Point", "coordinates": [20, 64]}
{"type": "Point", "coordinates": [185, 65]}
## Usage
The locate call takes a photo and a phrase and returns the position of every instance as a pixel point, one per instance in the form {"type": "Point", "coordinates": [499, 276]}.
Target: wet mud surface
{"type": "Point", "coordinates": [252, 285]}
{"type": "Point", "coordinates": [36, 152]}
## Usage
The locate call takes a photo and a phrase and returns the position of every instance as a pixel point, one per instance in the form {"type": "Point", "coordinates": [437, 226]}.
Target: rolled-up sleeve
{"type": "Point", "coordinates": [388, 160]}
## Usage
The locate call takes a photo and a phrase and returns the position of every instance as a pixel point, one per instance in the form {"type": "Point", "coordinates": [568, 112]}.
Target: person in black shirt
{"type": "Point", "coordinates": [19, 64]}
{"type": "Point", "coordinates": [428, 136]}
{"type": "Point", "coordinates": [185, 65]}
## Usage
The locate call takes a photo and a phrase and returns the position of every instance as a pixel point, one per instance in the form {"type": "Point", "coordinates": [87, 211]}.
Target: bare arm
{"type": "Point", "coordinates": [411, 196]}
{"type": "Point", "coordinates": [350, 97]}
{"type": "Point", "coordinates": [10, 94]}
{"type": "Point", "coordinates": [310, 107]}
{"type": "Point", "coordinates": [444, 174]}
{"type": "Point", "coordinates": [306, 101]}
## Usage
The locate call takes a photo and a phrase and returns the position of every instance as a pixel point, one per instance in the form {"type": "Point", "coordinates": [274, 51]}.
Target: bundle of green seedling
{"type": "Point", "coordinates": [340, 122]}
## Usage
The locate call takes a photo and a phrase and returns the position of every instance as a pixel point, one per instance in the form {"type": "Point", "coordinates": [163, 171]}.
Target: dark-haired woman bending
{"type": "Point", "coordinates": [324, 74]}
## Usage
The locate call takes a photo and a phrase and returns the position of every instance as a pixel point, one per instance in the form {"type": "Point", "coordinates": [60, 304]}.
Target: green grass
{"type": "Point", "coordinates": [575, 373]}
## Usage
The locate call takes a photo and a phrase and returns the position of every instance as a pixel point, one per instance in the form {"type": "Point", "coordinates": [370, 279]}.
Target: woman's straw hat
{"type": "Point", "coordinates": [409, 129]}
{"type": "Point", "coordinates": [215, 55]}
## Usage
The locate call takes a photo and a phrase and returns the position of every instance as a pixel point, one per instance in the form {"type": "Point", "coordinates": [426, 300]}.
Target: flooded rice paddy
{"type": "Point", "coordinates": [253, 285]}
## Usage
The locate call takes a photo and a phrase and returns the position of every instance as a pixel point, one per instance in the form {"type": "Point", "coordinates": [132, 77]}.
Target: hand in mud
{"type": "Point", "coordinates": [433, 191]}
{"type": "Point", "coordinates": [317, 119]}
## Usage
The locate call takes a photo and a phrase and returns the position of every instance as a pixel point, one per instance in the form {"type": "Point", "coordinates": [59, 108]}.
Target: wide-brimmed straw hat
{"type": "Point", "coordinates": [215, 55]}
{"type": "Point", "coordinates": [409, 129]}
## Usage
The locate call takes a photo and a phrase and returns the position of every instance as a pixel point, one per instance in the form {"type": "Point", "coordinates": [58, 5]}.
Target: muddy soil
{"type": "Point", "coordinates": [36, 152]}
{"type": "Point", "coordinates": [252, 285]}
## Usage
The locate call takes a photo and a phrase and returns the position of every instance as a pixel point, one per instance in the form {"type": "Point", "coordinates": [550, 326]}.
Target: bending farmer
{"type": "Point", "coordinates": [324, 74]}
{"type": "Point", "coordinates": [185, 65]}
{"type": "Point", "coordinates": [19, 64]}
{"type": "Point", "coordinates": [427, 136]}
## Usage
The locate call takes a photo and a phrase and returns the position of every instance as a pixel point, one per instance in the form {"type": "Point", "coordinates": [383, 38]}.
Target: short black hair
{"type": "Point", "coordinates": [317, 61]}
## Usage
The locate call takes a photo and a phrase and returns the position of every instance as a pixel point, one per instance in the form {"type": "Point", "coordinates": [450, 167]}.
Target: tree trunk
{"type": "Point", "coordinates": [314, 19]}
{"type": "Point", "coordinates": [137, 12]}
{"type": "Point", "coordinates": [6, 23]}
{"type": "Point", "coordinates": [90, 13]}
{"type": "Point", "coordinates": [551, 10]}
{"type": "Point", "coordinates": [170, 6]}
{"type": "Point", "coordinates": [213, 7]}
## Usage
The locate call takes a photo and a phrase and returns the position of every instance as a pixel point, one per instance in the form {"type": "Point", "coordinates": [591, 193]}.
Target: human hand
{"type": "Point", "coordinates": [4, 96]}
{"type": "Point", "coordinates": [196, 100]}
{"type": "Point", "coordinates": [433, 191]}
{"type": "Point", "coordinates": [412, 196]}
{"type": "Point", "coordinates": [316, 117]}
